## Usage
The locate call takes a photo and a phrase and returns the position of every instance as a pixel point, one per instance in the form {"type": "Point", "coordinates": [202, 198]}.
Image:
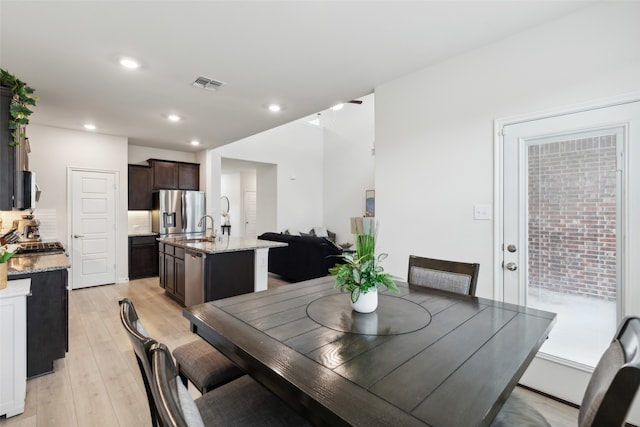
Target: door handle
{"type": "Point", "coordinates": [511, 266]}
{"type": "Point", "coordinates": [77, 236]}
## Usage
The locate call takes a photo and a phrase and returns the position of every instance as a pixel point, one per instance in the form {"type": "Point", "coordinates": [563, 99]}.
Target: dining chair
{"type": "Point", "coordinates": [451, 276]}
{"type": "Point", "coordinates": [197, 360]}
{"type": "Point", "coordinates": [141, 346]}
{"type": "Point", "coordinates": [610, 391]}
{"type": "Point", "coordinates": [242, 402]}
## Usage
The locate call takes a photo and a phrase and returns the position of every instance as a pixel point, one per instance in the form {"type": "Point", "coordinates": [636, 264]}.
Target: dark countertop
{"type": "Point", "coordinates": [37, 263]}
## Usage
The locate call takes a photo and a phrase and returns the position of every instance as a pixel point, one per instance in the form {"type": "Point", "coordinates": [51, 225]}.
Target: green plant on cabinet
{"type": "Point", "coordinates": [22, 100]}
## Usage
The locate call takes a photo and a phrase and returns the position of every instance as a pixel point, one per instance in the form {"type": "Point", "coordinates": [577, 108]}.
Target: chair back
{"type": "Point", "coordinates": [175, 406]}
{"type": "Point", "coordinates": [450, 276]}
{"type": "Point", "coordinates": [141, 343]}
{"type": "Point", "coordinates": [615, 379]}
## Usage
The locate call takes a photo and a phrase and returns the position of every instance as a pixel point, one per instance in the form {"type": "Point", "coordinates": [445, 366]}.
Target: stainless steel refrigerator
{"type": "Point", "coordinates": [177, 212]}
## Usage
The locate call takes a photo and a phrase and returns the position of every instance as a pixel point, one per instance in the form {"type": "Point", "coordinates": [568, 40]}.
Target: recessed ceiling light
{"type": "Point", "coordinates": [174, 118]}
{"type": "Point", "coordinates": [129, 63]}
{"type": "Point", "coordinates": [337, 107]}
{"type": "Point", "coordinates": [194, 142]}
{"type": "Point", "coordinates": [274, 108]}
{"type": "Point", "coordinates": [90, 126]}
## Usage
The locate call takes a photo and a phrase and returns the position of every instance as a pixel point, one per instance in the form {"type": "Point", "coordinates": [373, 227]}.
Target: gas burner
{"type": "Point", "coordinates": [40, 247]}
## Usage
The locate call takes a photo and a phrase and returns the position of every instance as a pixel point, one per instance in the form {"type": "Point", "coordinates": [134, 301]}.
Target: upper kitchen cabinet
{"type": "Point", "coordinates": [7, 153]}
{"type": "Point", "coordinates": [169, 175]}
{"type": "Point", "coordinates": [16, 101]}
{"type": "Point", "coordinates": [140, 187]}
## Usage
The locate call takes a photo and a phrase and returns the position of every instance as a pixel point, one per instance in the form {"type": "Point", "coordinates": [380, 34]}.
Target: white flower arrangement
{"type": "Point", "coordinates": [7, 251]}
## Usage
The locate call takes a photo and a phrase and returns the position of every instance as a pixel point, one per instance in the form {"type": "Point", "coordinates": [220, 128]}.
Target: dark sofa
{"type": "Point", "coordinates": [305, 257]}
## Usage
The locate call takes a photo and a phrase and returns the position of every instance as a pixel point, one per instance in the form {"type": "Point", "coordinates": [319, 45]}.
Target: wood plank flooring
{"type": "Point", "coordinates": [98, 383]}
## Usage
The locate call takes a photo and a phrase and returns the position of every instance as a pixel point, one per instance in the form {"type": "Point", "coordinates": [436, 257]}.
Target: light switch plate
{"type": "Point", "coordinates": [481, 212]}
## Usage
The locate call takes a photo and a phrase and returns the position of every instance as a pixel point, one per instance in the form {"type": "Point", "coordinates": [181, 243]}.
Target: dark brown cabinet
{"type": "Point", "coordinates": [139, 187]}
{"type": "Point", "coordinates": [172, 272]}
{"type": "Point", "coordinates": [188, 176]}
{"type": "Point", "coordinates": [7, 153]}
{"type": "Point", "coordinates": [167, 175]}
{"type": "Point", "coordinates": [47, 320]}
{"type": "Point", "coordinates": [143, 256]}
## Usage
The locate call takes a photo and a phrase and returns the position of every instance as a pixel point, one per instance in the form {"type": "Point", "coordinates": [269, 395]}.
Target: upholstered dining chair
{"type": "Point", "coordinates": [198, 361]}
{"type": "Point", "coordinates": [451, 276]}
{"type": "Point", "coordinates": [242, 402]}
{"type": "Point", "coordinates": [610, 392]}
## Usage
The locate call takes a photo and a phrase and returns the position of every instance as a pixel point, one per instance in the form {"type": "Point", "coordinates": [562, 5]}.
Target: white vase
{"type": "Point", "coordinates": [366, 302]}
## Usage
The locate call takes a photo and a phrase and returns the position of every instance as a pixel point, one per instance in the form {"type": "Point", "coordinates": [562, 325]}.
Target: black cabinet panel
{"type": "Point", "coordinates": [47, 320]}
{"type": "Point", "coordinates": [228, 274]}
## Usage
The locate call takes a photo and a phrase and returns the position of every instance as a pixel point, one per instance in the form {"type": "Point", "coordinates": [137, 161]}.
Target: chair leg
{"type": "Point", "coordinates": [183, 377]}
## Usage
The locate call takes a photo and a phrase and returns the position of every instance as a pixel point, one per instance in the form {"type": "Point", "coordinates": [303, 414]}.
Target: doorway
{"type": "Point", "coordinates": [567, 203]}
{"type": "Point", "coordinates": [92, 227]}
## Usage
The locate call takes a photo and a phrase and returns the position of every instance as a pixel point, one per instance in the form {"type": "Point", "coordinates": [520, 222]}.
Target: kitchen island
{"type": "Point", "coordinates": [195, 270]}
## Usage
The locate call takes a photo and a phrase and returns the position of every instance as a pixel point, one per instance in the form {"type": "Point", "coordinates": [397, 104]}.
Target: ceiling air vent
{"type": "Point", "coordinates": [207, 83]}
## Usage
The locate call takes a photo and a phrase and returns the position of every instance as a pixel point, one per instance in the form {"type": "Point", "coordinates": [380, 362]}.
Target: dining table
{"type": "Point", "coordinates": [423, 358]}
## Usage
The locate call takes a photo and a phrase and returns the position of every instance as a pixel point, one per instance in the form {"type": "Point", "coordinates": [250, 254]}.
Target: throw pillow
{"type": "Point", "coordinates": [320, 231]}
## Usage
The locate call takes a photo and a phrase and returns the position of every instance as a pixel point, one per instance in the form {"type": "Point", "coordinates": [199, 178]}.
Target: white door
{"type": "Point", "coordinates": [570, 209]}
{"type": "Point", "coordinates": [250, 213]}
{"type": "Point", "coordinates": [92, 228]}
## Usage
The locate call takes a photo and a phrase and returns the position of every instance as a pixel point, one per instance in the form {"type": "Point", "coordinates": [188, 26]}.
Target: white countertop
{"type": "Point", "coordinates": [16, 288]}
{"type": "Point", "coordinates": [222, 244]}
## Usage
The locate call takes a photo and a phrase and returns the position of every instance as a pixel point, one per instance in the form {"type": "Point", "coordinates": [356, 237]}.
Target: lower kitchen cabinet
{"type": "Point", "coordinates": [13, 347]}
{"type": "Point", "coordinates": [143, 256]}
{"type": "Point", "coordinates": [47, 320]}
{"type": "Point", "coordinates": [172, 272]}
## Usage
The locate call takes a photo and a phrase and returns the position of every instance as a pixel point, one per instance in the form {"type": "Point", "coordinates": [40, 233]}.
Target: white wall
{"type": "Point", "coordinates": [434, 129]}
{"type": "Point", "coordinates": [53, 150]}
{"type": "Point", "coordinates": [233, 185]}
{"type": "Point", "coordinates": [348, 164]}
{"type": "Point", "coordinates": [296, 148]}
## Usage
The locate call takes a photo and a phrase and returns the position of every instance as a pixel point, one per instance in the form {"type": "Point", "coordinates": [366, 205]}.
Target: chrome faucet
{"type": "Point", "coordinates": [202, 221]}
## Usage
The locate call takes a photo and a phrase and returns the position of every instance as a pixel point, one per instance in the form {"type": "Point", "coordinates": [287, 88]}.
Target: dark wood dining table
{"type": "Point", "coordinates": [422, 358]}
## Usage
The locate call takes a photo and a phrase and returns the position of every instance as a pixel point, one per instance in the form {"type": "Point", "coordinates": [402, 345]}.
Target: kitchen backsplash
{"type": "Point", "coordinates": [47, 218]}
{"type": "Point", "coordinates": [139, 222]}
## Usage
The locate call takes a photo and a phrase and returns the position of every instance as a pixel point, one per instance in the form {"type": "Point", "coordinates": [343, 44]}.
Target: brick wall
{"type": "Point", "coordinates": [572, 216]}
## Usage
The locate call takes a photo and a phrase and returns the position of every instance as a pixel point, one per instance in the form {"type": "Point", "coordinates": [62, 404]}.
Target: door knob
{"type": "Point", "coordinates": [511, 266]}
{"type": "Point", "coordinates": [76, 236]}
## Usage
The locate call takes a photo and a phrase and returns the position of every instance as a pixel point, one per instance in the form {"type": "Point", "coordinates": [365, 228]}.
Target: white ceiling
{"type": "Point", "coordinates": [305, 55]}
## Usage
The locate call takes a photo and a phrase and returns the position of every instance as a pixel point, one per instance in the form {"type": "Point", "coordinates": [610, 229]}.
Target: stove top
{"type": "Point", "coordinates": [40, 247]}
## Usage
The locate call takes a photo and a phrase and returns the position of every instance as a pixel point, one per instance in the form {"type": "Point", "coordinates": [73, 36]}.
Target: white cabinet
{"type": "Point", "coordinates": [13, 346]}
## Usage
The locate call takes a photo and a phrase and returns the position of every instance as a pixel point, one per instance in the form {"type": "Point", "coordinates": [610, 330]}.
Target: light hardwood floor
{"type": "Point", "coordinates": [98, 383]}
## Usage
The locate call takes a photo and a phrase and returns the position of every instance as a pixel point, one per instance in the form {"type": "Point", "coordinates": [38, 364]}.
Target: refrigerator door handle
{"type": "Point", "coordinates": [184, 211]}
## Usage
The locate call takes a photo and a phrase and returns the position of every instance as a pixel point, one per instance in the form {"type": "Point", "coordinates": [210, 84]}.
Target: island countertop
{"type": "Point", "coordinates": [221, 244]}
